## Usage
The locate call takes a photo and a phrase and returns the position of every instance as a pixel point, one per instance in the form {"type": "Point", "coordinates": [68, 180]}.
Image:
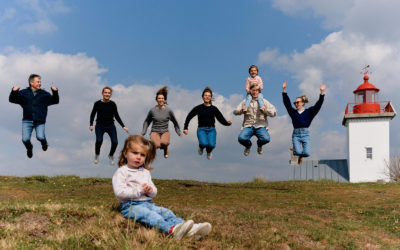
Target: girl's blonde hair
{"type": "Point", "coordinates": [303, 98]}
{"type": "Point", "coordinates": [142, 142]}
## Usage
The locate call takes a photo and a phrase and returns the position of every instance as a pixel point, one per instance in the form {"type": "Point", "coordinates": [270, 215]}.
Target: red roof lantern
{"type": "Point", "coordinates": [366, 98]}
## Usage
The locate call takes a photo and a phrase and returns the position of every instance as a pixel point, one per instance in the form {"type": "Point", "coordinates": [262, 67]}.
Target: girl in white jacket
{"type": "Point", "coordinates": [133, 186]}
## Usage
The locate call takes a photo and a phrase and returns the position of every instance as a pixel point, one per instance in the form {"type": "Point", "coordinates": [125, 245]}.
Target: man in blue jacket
{"type": "Point", "coordinates": [34, 102]}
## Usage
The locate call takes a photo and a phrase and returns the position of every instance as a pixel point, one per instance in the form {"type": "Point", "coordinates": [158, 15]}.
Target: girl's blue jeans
{"type": "Point", "coordinates": [260, 100]}
{"type": "Point", "coordinates": [207, 138]}
{"type": "Point", "coordinates": [147, 212]}
{"type": "Point", "coordinates": [301, 142]}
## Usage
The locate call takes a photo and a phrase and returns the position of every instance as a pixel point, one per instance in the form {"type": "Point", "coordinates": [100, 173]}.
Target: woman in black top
{"type": "Point", "coordinates": [206, 114]}
{"type": "Point", "coordinates": [106, 111]}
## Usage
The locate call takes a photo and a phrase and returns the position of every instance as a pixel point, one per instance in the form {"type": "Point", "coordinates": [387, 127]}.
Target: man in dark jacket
{"type": "Point", "coordinates": [34, 102]}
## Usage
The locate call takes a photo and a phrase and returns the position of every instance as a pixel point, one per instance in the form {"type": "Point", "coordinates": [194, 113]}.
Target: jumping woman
{"type": "Point", "coordinates": [206, 114]}
{"type": "Point", "coordinates": [106, 111]}
{"type": "Point", "coordinates": [301, 120]}
{"type": "Point", "coordinates": [160, 115]}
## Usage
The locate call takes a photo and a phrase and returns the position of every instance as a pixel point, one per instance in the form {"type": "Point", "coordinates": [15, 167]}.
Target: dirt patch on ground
{"type": "Point", "coordinates": [6, 195]}
{"type": "Point", "coordinates": [35, 224]}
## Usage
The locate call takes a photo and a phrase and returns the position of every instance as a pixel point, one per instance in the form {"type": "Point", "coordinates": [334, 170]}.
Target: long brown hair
{"type": "Point", "coordinates": [164, 92]}
{"type": "Point", "coordinates": [143, 142]}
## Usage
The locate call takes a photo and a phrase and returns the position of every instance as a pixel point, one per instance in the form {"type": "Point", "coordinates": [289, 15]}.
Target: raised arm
{"type": "Point", "coordinates": [315, 109]}
{"type": "Point", "coordinates": [15, 97]}
{"type": "Point", "coordinates": [286, 100]}
{"type": "Point", "coordinates": [55, 98]}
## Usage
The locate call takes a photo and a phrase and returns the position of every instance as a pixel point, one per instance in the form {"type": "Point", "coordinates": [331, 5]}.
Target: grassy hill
{"type": "Point", "coordinates": [68, 212]}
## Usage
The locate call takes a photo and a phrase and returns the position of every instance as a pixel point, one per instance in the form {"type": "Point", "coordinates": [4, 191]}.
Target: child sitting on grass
{"type": "Point", "coordinates": [133, 186]}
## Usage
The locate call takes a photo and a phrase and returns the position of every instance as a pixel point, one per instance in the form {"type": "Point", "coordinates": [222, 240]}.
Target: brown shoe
{"type": "Point", "coordinates": [166, 153]}
{"type": "Point", "coordinates": [300, 160]}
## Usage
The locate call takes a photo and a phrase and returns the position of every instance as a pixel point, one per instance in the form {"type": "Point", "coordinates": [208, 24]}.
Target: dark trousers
{"type": "Point", "coordinates": [111, 131]}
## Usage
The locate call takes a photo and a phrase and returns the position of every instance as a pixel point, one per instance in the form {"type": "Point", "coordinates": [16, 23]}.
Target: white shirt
{"type": "Point", "coordinates": [127, 184]}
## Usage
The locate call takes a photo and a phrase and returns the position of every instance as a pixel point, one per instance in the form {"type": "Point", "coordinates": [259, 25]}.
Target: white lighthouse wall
{"type": "Point", "coordinates": [364, 133]}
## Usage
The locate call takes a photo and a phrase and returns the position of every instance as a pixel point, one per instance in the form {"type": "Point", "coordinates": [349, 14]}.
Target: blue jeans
{"type": "Point", "coordinates": [148, 213]}
{"type": "Point", "coordinates": [112, 132]}
{"type": "Point", "coordinates": [207, 138]}
{"type": "Point", "coordinates": [261, 134]}
{"type": "Point", "coordinates": [301, 142]}
{"type": "Point", "coordinates": [27, 128]}
{"type": "Point", "coordinates": [259, 99]}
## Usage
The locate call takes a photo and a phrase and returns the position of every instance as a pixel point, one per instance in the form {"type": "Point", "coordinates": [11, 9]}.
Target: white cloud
{"type": "Point", "coordinates": [333, 12]}
{"type": "Point", "coordinates": [37, 15]}
{"type": "Point", "coordinates": [71, 150]}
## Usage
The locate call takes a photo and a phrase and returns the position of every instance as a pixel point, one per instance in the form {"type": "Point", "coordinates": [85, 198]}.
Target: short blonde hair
{"type": "Point", "coordinates": [149, 146]}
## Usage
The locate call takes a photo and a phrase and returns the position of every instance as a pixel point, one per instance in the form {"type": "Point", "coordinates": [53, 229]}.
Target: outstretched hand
{"type": "Point", "coordinates": [230, 122]}
{"type": "Point", "coordinates": [284, 85]}
{"type": "Point", "coordinates": [16, 88]}
{"type": "Point", "coordinates": [322, 88]}
{"type": "Point", "coordinates": [126, 129]}
{"type": "Point", "coordinates": [53, 88]}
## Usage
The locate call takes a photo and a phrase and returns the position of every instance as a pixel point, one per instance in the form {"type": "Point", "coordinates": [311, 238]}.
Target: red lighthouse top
{"type": "Point", "coordinates": [366, 86]}
{"type": "Point", "coordinates": [366, 104]}
{"type": "Point", "coordinates": [366, 98]}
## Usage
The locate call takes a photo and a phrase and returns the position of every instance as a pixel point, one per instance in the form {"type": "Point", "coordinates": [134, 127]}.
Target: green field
{"type": "Point", "coordinates": [68, 212]}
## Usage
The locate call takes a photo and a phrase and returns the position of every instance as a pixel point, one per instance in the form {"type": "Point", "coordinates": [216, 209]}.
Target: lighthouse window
{"type": "Point", "coordinates": [369, 153]}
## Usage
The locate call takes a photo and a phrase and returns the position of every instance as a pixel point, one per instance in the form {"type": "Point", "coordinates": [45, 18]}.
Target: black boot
{"type": "Point", "coordinates": [29, 147]}
{"type": "Point", "coordinates": [44, 144]}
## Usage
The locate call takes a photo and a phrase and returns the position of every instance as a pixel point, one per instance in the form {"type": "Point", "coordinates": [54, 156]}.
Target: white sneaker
{"type": "Point", "coordinates": [96, 159]}
{"type": "Point", "coordinates": [181, 229]}
{"type": "Point", "coordinates": [200, 230]}
{"type": "Point", "coordinates": [200, 151]}
{"type": "Point", "coordinates": [209, 156]}
{"type": "Point", "coordinates": [259, 150]}
{"type": "Point", "coordinates": [111, 159]}
{"type": "Point", "coordinates": [246, 151]}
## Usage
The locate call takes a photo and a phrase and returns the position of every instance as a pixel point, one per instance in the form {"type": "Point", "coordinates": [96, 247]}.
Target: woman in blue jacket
{"type": "Point", "coordinates": [301, 120]}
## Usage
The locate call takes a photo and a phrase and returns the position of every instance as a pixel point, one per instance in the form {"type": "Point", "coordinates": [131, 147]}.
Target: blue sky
{"type": "Point", "coordinates": [138, 46]}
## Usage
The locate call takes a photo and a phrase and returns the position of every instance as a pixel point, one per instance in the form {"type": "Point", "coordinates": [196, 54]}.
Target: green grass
{"type": "Point", "coordinates": [69, 212]}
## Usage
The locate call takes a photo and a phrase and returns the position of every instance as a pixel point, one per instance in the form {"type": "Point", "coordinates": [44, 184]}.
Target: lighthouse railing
{"type": "Point", "coordinates": [385, 107]}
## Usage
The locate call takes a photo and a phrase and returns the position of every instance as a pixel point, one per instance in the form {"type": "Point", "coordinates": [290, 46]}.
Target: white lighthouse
{"type": "Point", "coordinates": [367, 123]}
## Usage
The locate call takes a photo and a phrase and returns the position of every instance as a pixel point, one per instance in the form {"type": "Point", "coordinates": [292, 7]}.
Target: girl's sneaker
{"type": "Point", "coordinates": [200, 230]}
{"type": "Point", "coordinates": [96, 159]}
{"type": "Point", "coordinates": [181, 229]}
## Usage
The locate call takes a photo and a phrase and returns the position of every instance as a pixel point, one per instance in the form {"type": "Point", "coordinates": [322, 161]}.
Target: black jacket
{"type": "Point", "coordinates": [34, 106]}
